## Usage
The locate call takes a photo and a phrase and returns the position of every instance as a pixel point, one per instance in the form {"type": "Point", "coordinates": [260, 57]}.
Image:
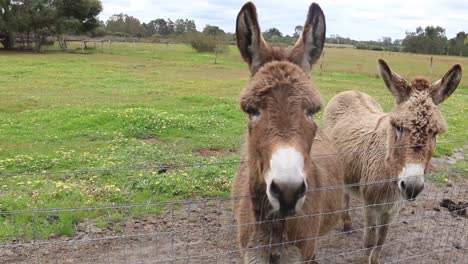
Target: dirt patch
{"type": "Point", "coordinates": [212, 153]}
{"type": "Point", "coordinates": [456, 208]}
{"type": "Point", "coordinates": [152, 140]}
{"type": "Point", "coordinates": [205, 232]}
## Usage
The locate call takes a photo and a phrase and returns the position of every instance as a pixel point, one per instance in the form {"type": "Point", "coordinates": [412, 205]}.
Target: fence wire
{"type": "Point", "coordinates": [432, 229]}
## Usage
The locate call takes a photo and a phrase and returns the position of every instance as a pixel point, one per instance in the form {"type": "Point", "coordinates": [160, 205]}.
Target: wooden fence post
{"type": "Point", "coordinates": [430, 65]}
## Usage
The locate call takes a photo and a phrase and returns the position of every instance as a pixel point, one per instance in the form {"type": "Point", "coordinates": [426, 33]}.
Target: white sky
{"type": "Point", "coordinates": [357, 19]}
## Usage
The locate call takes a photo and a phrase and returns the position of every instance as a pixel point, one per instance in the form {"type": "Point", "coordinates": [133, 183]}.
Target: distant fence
{"type": "Point", "coordinates": [432, 229]}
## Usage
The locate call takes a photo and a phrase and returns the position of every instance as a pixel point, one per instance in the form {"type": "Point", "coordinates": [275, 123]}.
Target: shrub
{"type": "Point", "coordinates": [156, 38]}
{"type": "Point", "coordinates": [362, 46]}
{"type": "Point", "coordinates": [121, 34]}
{"type": "Point", "coordinates": [203, 43]}
{"type": "Point", "coordinates": [99, 32]}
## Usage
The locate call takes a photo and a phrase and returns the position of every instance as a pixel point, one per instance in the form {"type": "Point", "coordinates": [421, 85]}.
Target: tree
{"type": "Point", "coordinates": [170, 26]}
{"type": "Point", "coordinates": [179, 26]}
{"type": "Point", "coordinates": [190, 26]}
{"type": "Point", "coordinates": [431, 40]}
{"type": "Point", "coordinates": [184, 26]}
{"type": "Point", "coordinates": [460, 41]}
{"type": "Point", "coordinates": [160, 26]}
{"type": "Point", "coordinates": [298, 31]}
{"type": "Point", "coordinates": [83, 13]}
{"type": "Point", "coordinates": [272, 32]}
{"type": "Point", "coordinates": [387, 42]}
{"type": "Point", "coordinates": [116, 23]}
{"type": "Point", "coordinates": [133, 26]}
{"type": "Point", "coordinates": [123, 23]}
{"type": "Point", "coordinates": [213, 31]}
{"type": "Point", "coordinates": [8, 24]}
{"type": "Point", "coordinates": [77, 16]}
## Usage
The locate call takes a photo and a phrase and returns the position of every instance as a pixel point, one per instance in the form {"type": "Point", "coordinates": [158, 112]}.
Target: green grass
{"type": "Point", "coordinates": [145, 105]}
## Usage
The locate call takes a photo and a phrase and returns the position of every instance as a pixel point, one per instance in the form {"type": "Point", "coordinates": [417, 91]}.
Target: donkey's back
{"type": "Point", "coordinates": [352, 107]}
{"type": "Point", "coordinates": [355, 122]}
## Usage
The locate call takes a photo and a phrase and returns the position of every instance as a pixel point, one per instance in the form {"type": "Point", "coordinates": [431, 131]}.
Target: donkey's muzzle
{"type": "Point", "coordinates": [290, 197]}
{"type": "Point", "coordinates": [411, 188]}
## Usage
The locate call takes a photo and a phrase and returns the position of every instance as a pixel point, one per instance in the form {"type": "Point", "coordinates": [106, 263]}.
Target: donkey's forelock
{"type": "Point", "coordinates": [280, 75]}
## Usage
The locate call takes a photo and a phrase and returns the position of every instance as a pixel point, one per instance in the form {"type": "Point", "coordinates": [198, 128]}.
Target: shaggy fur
{"type": "Point", "coordinates": [280, 100]}
{"type": "Point", "coordinates": [371, 149]}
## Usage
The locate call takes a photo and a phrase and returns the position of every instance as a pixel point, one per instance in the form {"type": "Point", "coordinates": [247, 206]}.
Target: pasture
{"type": "Point", "coordinates": [93, 129]}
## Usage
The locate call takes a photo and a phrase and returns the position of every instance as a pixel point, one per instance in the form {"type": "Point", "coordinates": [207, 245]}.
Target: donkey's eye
{"type": "Point", "coordinates": [309, 113]}
{"type": "Point", "coordinates": [399, 131]}
{"type": "Point", "coordinates": [254, 114]}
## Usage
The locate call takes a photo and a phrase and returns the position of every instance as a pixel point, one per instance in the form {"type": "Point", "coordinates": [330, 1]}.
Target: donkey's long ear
{"type": "Point", "coordinates": [395, 83]}
{"type": "Point", "coordinates": [309, 46]}
{"type": "Point", "coordinates": [444, 87]}
{"type": "Point", "coordinates": [249, 37]}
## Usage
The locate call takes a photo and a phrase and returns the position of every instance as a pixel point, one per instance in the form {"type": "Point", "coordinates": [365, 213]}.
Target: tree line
{"type": "Point", "coordinates": [29, 23]}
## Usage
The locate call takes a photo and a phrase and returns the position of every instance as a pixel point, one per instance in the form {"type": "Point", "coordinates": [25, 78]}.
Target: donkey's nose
{"type": "Point", "coordinates": [411, 188]}
{"type": "Point", "coordinates": [289, 195]}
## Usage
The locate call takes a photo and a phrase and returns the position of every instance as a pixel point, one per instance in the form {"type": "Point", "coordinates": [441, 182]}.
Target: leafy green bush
{"type": "Point", "coordinates": [203, 43]}
{"type": "Point", "coordinates": [99, 32]}
{"type": "Point", "coordinates": [362, 46]}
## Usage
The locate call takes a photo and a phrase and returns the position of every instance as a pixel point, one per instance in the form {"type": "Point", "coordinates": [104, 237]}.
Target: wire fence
{"type": "Point", "coordinates": [432, 229]}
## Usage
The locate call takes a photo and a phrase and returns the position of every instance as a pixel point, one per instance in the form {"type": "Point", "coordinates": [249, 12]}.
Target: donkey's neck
{"type": "Point", "coordinates": [376, 143]}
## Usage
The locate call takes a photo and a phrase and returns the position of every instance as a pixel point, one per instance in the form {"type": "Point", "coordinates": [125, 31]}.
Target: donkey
{"type": "Point", "coordinates": [394, 148]}
{"type": "Point", "coordinates": [278, 207]}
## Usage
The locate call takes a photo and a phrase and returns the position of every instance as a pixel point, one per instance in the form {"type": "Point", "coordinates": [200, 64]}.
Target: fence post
{"type": "Point", "coordinates": [82, 46]}
{"type": "Point", "coordinates": [430, 65]}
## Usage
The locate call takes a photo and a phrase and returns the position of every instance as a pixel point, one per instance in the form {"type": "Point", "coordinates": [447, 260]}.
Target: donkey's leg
{"type": "Point", "coordinates": [347, 224]}
{"type": "Point", "coordinates": [370, 233]}
{"type": "Point", "coordinates": [385, 219]}
{"type": "Point", "coordinates": [256, 254]}
{"type": "Point", "coordinates": [290, 254]}
{"type": "Point", "coordinates": [258, 249]}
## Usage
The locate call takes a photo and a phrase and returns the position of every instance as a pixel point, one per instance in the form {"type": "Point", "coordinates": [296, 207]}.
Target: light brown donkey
{"type": "Point", "coordinates": [395, 148]}
{"type": "Point", "coordinates": [281, 216]}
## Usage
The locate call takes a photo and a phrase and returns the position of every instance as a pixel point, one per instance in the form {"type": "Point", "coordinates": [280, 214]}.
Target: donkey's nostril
{"type": "Point", "coordinates": [301, 191]}
{"type": "Point", "coordinates": [275, 190]}
{"type": "Point", "coordinates": [403, 185]}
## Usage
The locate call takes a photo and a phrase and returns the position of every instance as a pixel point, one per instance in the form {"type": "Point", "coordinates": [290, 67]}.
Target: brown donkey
{"type": "Point", "coordinates": [395, 148]}
{"type": "Point", "coordinates": [281, 216]}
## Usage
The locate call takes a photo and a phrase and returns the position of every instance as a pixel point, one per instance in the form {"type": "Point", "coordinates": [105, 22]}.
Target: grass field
{"type": "Point", "coordinates": [143, 105]}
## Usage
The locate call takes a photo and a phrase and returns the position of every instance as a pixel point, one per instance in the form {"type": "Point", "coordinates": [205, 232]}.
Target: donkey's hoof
{"type": "Point", "coordinates": [348, 227]}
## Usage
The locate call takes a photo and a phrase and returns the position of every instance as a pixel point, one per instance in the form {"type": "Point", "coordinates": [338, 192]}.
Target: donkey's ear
{"type": "Point", "coordinates": [444, 87]}
{"type": "Point", "coordinates": [249, 37]}
{"type": "Point", "coordinates": [395, 83]}
{"type": "Point", "coordinates": [309, 46]}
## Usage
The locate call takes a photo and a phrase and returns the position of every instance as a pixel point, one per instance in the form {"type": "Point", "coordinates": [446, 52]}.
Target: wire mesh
{"type": "Point", "coordinates": [427, 230]}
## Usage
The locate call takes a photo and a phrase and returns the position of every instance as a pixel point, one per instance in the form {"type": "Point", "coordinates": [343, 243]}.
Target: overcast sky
{"type": "Point", "coordinates": [357, 19]}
